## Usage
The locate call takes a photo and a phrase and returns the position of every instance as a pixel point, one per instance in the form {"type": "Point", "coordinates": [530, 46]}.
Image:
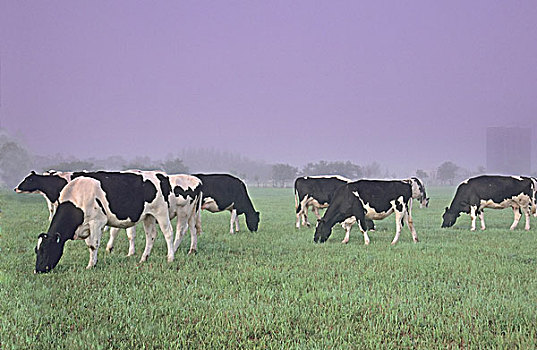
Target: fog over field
{"type": "Point", "coordinates": [408, 85]}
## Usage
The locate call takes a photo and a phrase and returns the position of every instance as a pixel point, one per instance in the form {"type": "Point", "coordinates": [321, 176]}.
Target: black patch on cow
{"type": "Point", "coordinates": [50, 185]}
{"type": "Point", "coordinates": [126, 192]}
{"type": "Point", "coordinates": [66, 220]}
{"type": "Point", "coordinates": [100, 205]}
{"type": "Point", "coordinates": [178, 191]}
{"type": "Point", "coordinates": [165, 187]}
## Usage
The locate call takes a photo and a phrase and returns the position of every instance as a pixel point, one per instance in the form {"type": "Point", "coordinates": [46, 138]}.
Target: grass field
{"type": "Point", "coordinates": [275, 288]}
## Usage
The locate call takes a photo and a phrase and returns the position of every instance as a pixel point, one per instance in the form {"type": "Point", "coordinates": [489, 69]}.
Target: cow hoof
{"type": "Point", "coordinates": [344, 241]}
{"type": "Point", "coordinates": [192, 252]}
{"type": "Point", "coordinates": [170, 259]}
{"type": "Point", "coordinates": [109, 250]}
{"type": "Point", "coordinates": [308, 224]}
{"type": "Point", "coordinates": [367, 243]}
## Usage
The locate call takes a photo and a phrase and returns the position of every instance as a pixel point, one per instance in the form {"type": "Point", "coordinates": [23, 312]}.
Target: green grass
{"type": "Point", "coordinates": [275, 288]}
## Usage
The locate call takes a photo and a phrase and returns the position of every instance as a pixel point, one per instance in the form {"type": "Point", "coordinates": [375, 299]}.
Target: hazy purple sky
{"type": "Point", "coordinates": [408, 84]}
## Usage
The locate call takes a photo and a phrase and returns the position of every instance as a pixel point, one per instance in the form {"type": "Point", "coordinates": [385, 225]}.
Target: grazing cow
{"type": "Point", "coordinates": [185, 205]}
{"type": "Point", "coordinates": [368, 199]}
{"type": "Point", "coordinates": [95, 199]}
{"type": "Point", "coordinates": [315, 192]}
{"type": "Point", "coordinates": [418, 193]}
{"type": "Point", "coordinates": [492, 191]}
{"type": "Point", "coordinates": [49, 185]}
{"type": "Point", "coordinates": [226, 192]}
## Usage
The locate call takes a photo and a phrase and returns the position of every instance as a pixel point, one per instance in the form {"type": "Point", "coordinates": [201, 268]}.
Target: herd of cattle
{"type": "Point", "coordinates": [82, 204]}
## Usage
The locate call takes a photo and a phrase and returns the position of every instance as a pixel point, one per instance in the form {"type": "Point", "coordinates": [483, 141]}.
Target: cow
{"type": "Point", "coordinates": [185, 205]}
{"type": "Point", "coordinates": [368, 199]}
{"type": "Point", "coordinates": [49, 185]}
{"type": "Point", "coordinates": [492, 191]}
{"type": "Point", "coordinates": [226, 192]}
{"type": "Point", "coordinates": [92, 200]}
{"type": "Point", "coordinates": [418, 193]}
{"type": "Point", "coordinates": [315, 192]}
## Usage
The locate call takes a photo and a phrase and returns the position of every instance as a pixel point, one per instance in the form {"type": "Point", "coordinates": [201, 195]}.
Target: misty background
{"type": "Point", "coordinates": [264, 90]}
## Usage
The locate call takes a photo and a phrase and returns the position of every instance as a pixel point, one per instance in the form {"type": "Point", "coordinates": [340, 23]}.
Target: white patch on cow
{"type": "Point", "coordinates": [339, 177]}
{"type": "Point", "coordinates": [517, 178]}
{"type": "Point", "coordinates": [39, 241]}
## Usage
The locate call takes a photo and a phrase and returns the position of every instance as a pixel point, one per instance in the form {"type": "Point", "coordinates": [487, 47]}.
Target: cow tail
{"type": "Point", "coordinates": [296, 201]}
{"type": "Point", "coordinates": [534, 195]}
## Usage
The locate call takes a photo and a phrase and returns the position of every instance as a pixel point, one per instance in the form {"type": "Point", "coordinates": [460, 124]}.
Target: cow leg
{"type": "Point", "coordinates": [364, 232]}
{"type": "Point", "coordinates": [316, 211]}
{"type": "Point", "coordinates": [473, 215]}
{"type": "Point", "coordinates": [193, 234]}
{"type": "Point", "coordinates": [198, 223]}
{"type": "Point", "coordinates": [347, 226]}
{"type": "Point", "coordinates": [150, 235]}
{"type": "Point", "coordinates": [482, 218]}
{"type": "Point", "coordinates": [516, 211]}
{"type": "Point", "coordinates": [398, 225]}
{"type": "Point", "coordinates": [410, 223]}
{"type": "Point", "coordinates": [180, 231]}
{"type": "Point", "coordinates": [113, 234]}
{"type": "Point", "coordinates": [93, 241]}
{"type": "Point", "coordinates": [166, 228]}
{"type": "Point", "coordinates": [131, 235]}
{"type": "Point", "coordinates": [232, 220]}
{"type": "Point", "coordinates": [526, 210]}
{"type": "Point", "coordinates": [237, 227]}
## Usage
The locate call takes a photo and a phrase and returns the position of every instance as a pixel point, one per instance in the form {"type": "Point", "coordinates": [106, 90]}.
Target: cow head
{"type": "Point", "coordinates": [252, 221]}
{"type": "Point", "coordinates": [424, 202]}
{"type": "Point", "coordinates": [48, 252]}
{"type": "Point", "coordinates": [28, 184]}
{"type": "Point", "coordinates": [322, 231]}
{"type": "Point", "coordinates": [449, 218]}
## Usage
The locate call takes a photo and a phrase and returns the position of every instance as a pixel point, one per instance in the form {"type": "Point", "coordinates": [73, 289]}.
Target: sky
{"type": "Point", "coordinates": [408, 84]}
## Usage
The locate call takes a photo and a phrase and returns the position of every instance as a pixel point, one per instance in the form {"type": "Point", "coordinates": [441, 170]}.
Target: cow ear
{"type": "Point", "coordinates": [32, 172]}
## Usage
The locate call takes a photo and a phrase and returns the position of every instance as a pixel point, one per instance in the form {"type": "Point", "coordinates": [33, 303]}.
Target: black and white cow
{"type": "Point", "coordinates": [226, 192]}
{"type": "Point", "coordinates": [492, 191]}
{"type": "Point", "coordinates": [93, 200]}
{"type": "Point", "coordinates": [418, 193]}
{"type": "Point", "coordinates": [49, 185]}
{"type": "Point", "coordinates": [368, 199]}
{"type": "Point", "coordinates": [315, 192]}
{"type": "Point", "coordinates": [185, 205]}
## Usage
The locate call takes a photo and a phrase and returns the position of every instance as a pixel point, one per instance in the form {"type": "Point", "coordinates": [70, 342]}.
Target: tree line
{"type": "Point", "coordinates": [16, 162]}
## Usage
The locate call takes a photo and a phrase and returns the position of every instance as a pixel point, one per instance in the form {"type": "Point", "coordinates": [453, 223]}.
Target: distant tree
{"type": "Point", "coordinates": [446, 172]}
{"type": "Point", "coordinates": [174, 166]}
{"type": "Point", "coordinates": [421, 174]}
{"type": "Point", "coordinates": [347, 169]}
{"type": "Point", "coordinates": [372, 170]}
{"type": "Point", "coordinates": [74, 165]}
{"type": "Point", "coordinates": [281, 173]}
{"type": "Point", "coordinates": [15, 163]}
{"type": "Point", "coordinates": [141, 163]}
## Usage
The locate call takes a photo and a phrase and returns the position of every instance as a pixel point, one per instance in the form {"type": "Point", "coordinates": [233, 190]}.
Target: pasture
{"type": "Point", "coordinates": [275, 288]}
